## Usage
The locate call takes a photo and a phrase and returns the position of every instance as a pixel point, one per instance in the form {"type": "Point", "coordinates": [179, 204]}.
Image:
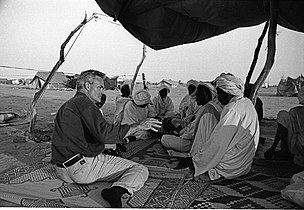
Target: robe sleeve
{"type": "Point", "coordinates": [216, 146]}
{"type": "Point", "coordinates": [170, 108]}
{"type": "Point", "coordinates": [130, 116]}
{"type": "Point", "coordinates": [206, 126]}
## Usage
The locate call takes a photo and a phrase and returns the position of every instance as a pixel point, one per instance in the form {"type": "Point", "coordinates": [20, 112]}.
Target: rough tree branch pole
{"type": "Point", "coordinates": [137, 68]}
{"type": "Point", "coordinates": [37, 95]}
{"type": "Point", "coordinates": [270, 52]}
{"type": "Point", "coordinates": [256, 53]}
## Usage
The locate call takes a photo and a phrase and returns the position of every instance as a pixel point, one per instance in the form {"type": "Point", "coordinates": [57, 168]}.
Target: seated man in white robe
{"type": "Point", "coordinates": [290, 132]}
{"type": "Point", "coordinates": [230, 149]}
{"type": "Point", "coordinates": [120, 102]}
{"type": "Point", "coordinates": [162, 103]}
{"type": "Point", "coordinates": [208, 108]}
{"type": "Point", "coordinates": [137, 110]}
{"type": "Point", "coordinates": [187, 106]}
{"type": "Point", "coordinates": [186, 110]}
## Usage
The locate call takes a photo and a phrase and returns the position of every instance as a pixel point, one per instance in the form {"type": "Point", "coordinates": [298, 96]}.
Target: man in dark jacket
{"type": "Point", "coordinates": [79, 136]}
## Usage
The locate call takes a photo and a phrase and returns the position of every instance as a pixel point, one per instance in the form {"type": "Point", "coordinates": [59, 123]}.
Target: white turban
{"type": "Point", "coordinates": [142, 97]}
{"type": "Point", "coordinates": [192, 82]}
{"type": "Point", "coordinates": [163, 86]}
{"type": "Point", "coordinates": [301, 96]}
{"type": "Point", "coordinates": [230, 84]}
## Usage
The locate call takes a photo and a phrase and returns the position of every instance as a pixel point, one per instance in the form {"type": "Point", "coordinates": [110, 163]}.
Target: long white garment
{"type": "Point", "coordinates": [134, 114]}
{"type": "Point", "coordinates": [211, 108]}
{"type": "Point", "coordinates": [232, 145]}
{"type": "Point", "coordinates": [295, 191]}
{"type": "Point", "coordinates": [120, 105]}
{"type": "Point", "coordinates": [206, 125]}
{"type": "Point", "coordinates": [187, 108]}
{"type": "Point", "coordinates": [184, 142]}
{"type": "Point", "coordinates": [164, 107]}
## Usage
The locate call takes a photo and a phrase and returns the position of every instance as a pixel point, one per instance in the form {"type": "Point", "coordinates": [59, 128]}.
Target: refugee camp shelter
{"type": "Point", "coordinates": [111, 83]}
{"type": "Point", "coordinates": [71, 80]}
{"type": "Point", "coordinates": [59, 80]}
{"type": "Point", "coordinates": [289, 86]}
{"type": "Point", "coordinates": [3, 81]}
{"type": "Point", "coordinates": [165, 82]}
{"type": "Point", "coordinates": [169, 83]}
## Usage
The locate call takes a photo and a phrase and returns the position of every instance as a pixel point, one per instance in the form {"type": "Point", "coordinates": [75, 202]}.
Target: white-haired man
{"type": "Point", "coordinates": [79, 138]}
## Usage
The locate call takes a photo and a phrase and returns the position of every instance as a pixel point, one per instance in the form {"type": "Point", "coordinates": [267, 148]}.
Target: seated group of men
{"type": "Point", "coordinates": [217, 127]}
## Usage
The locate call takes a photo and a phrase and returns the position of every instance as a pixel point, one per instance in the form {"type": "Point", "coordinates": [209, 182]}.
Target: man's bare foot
{"type": "Point", "coordinates": [173, 153]}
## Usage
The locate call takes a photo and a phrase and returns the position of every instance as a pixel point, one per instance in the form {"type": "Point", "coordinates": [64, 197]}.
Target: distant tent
{"type": "Point", "coordinates": [287, 87]}
{"type": "Point", "coordinates": [111, 83]}
{"type": "Point", "coordinates": [3, 81]}
{"type": "Point", "coordinates": [71, 80]}
{"type": "Point", "coordinates": [17, 81]}
{"type": "Point", "coordinates": [59, 80]}
{"type": "Point", "coordinates": [169, 82]}
{"type": "Point", "coordinates": [165, 82]}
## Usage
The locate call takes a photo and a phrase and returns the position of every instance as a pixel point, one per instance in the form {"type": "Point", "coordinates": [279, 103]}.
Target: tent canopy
{"type": "Point", "coordinates": [166, 23]}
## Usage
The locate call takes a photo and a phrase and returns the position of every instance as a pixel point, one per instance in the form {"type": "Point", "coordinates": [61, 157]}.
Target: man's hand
{"type": "Point", "coordinates": [150, 124]}
{"type": "Point", "coordinates": [147, 124]}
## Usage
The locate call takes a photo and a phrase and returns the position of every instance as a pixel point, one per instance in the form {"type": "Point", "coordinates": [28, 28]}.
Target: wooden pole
{"type": "Point", "coordinates": [270, 52]}
{"type": "Point", "coordinates": [256, 53]}
{"type": "Point", "coordinates": [33, 112]}
{"type": "Point", "coordinates": [137, 69]}
{"type": "Point", "coordinates": [144, 81]}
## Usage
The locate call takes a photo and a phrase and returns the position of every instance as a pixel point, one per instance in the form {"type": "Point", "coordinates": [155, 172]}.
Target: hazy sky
{"type": "Point", "coordinates": [32, 32]}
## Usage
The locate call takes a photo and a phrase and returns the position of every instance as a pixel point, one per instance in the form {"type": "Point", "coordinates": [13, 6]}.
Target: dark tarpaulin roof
{"type": "Point", "coordinates": [166, 23]}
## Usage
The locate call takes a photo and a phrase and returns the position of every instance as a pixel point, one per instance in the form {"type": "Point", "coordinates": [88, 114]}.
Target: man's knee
{"type": "Point", "coordinates": [165, 140]}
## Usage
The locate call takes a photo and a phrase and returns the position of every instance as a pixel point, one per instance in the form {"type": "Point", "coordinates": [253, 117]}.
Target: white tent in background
{"type": "Point", "coordinates": [59, 80]}
{"type": "Point", "coordinates": [169, 82]}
